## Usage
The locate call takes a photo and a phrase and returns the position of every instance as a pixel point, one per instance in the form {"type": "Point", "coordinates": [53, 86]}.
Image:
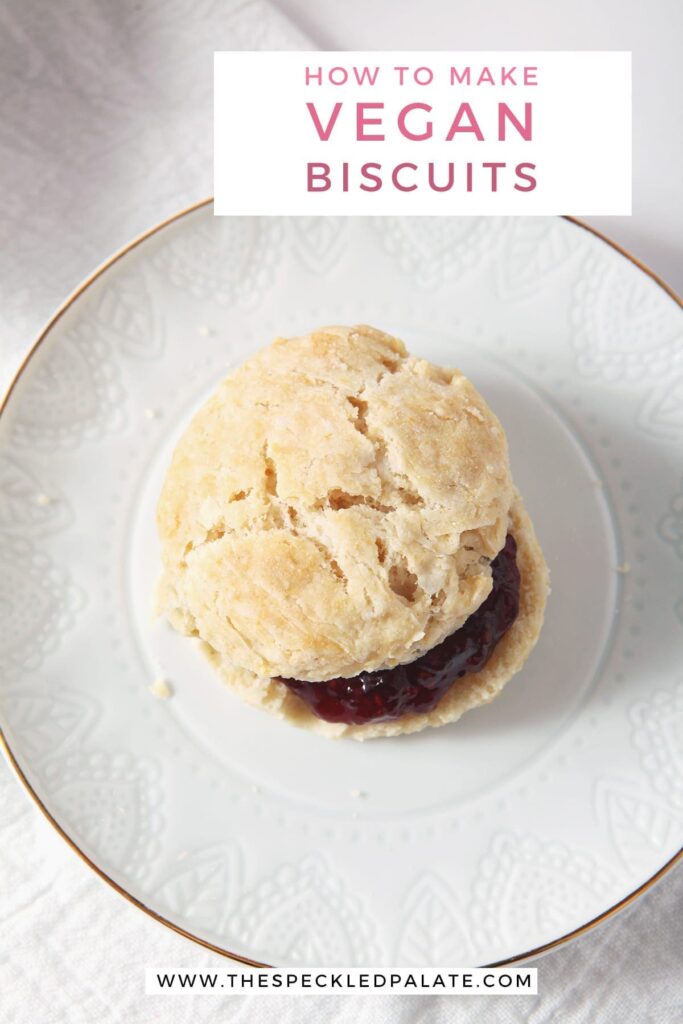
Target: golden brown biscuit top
{"type": "Point", "coordinates": [334, 507]}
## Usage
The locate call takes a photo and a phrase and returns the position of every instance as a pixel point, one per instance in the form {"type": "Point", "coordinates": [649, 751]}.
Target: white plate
{"type": "Point", "coordinates": [475, 843]}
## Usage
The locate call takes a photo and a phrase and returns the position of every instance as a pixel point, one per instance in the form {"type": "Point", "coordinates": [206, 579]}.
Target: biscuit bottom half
{"type": "Point", "coordinates": [466, 691]}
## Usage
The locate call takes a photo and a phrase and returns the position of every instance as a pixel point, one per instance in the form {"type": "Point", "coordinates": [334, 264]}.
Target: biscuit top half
{"type": "Point", "coordinates": [333, 508]}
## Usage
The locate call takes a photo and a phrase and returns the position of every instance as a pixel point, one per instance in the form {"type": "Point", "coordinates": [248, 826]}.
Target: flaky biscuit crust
{"type": "Point", "coordinates": [334, 507]}
{"type": "Point", "coordinates": [471, 691]}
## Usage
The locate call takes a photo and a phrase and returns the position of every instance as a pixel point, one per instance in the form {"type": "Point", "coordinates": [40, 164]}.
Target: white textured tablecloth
{"type": "Point", "coordinates": [105, 128]}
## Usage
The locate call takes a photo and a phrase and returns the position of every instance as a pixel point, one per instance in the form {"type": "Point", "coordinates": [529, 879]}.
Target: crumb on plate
{"type": "Point", "coordinates": [161, 688]}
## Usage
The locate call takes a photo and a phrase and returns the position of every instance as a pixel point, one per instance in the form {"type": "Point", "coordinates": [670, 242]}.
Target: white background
{"type": "Point", "coordinates": [580, 149]}
{"type": "Point", "coordinates": [105, 128]}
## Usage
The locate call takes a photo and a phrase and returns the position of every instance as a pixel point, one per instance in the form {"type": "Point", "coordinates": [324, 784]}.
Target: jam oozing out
{"type": "Point", "coordinates": [418, 686]}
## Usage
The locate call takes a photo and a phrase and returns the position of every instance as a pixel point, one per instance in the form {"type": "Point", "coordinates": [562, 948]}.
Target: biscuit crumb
{"type": "Point", "coordinates": [161, 688]}
{"type": "Point", "coordinates": [152, 414]}
{"type": "Point", "coordinates": [624, 568]}
{"type": "Point", "coordinates": [43, 499]}
{"type": "Point", "coordinates": [357, 794]}
{"type": "Point", "coordinates": [254, 788]}
{"type": "Point", "coordinates": [204, 330]}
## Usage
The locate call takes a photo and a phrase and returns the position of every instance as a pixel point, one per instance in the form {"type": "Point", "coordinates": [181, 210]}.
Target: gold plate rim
{"type": "Point", "coordinates": [529, 954]}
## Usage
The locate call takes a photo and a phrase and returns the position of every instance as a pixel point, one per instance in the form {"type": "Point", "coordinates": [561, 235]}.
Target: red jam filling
{"type": "Point", "coordinates": [418, 686]}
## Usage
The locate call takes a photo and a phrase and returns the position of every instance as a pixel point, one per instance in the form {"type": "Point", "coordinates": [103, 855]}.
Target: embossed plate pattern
{"type": "Point", "coordinates": [475, 843]}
